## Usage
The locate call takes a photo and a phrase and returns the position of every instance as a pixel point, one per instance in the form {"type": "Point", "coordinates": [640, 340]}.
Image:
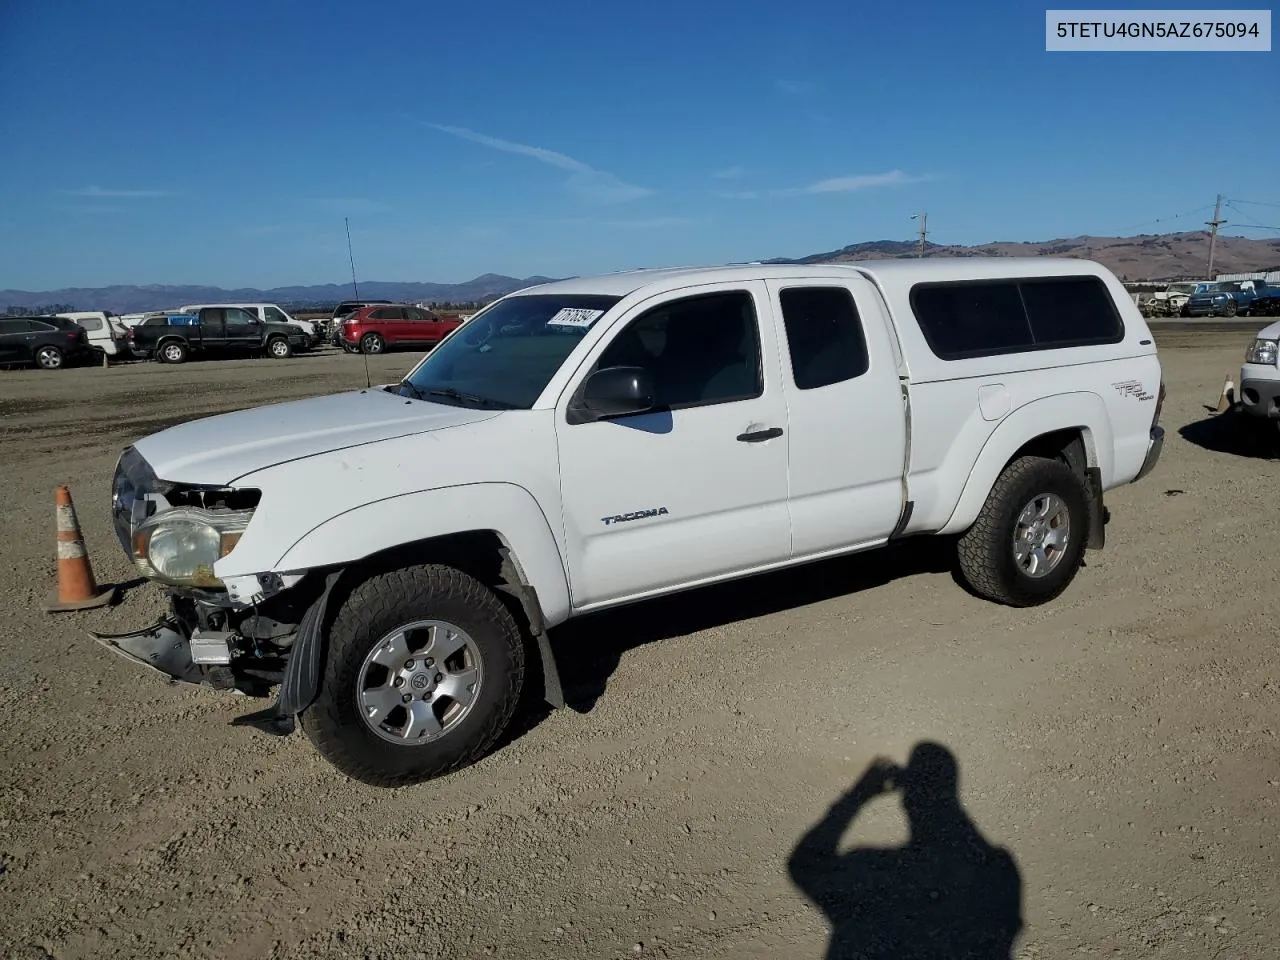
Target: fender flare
{"type": "Point", "coordinates": [1084, 411]}
{"type": "Point", "coordinates": [506, 509]}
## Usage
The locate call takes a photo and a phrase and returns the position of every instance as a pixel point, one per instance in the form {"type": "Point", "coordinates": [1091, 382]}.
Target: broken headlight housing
{"type": "Point", "coordinates": [180, 546]}
{"type": "Point", "coordinates": [175, 533]}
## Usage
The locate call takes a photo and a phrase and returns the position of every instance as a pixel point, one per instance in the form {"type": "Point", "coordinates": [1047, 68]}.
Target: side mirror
{"type": "Point", "coordinates": [616, 392]}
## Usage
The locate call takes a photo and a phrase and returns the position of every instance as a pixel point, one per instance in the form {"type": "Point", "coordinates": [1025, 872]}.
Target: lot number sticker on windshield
{"type": "Point", "coordinates": [575, 317]}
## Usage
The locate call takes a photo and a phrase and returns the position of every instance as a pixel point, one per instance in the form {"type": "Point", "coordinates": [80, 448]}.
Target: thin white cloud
{"type": "Point", "coordinates": [730, 173]}
{"type": "Point", "coordinates": [651, 223]}
{"type": "Point", "coordinates": [797, 87]}
{"type": "Point", "coordinates": [849, 184]}
{"type": "Point", "coordinates": [585, 180]}
{"type": "Point", "coordinates": [351, 204]}
{"type": "Point", "coordinates": [99, 193]}
{"type": "Point", "coordinates": [90, 208]}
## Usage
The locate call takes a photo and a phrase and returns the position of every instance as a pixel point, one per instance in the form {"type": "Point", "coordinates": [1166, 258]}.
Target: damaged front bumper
{"type": "Point", "coordinates": [210, 642]}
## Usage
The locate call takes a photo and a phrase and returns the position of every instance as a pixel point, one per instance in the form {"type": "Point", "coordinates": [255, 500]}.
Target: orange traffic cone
{"type": "Point", "coordinates": [1227, 396]}
{"type": "Point", "coordinates": [77, 588]}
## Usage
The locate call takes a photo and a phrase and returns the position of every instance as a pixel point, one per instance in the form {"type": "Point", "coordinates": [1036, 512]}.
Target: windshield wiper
{"type": "Point", "coordinates": [454, 394]}
{"type": "Point", "coordinates": [417, 394]}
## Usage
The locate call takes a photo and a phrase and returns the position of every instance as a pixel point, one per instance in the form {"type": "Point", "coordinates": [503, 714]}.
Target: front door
{"type": "Point", "coordinates": [696, 489]}
{"type": "Point", "coordinates": [848, 448]}
{"type": "Point", "coordinates": [244, 329]}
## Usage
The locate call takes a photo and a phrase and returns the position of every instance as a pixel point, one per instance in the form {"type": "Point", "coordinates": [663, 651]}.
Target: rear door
{"type": "Point", "coordinates": [13, 341]}
{"type": "Point", "coordinates": [211, 331]}
{"type": "Point", "coordinates": [848, 440]}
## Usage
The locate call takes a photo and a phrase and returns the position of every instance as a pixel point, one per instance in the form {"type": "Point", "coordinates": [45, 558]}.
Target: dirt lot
{"type": "Point", "coordinates": [1119, 744]}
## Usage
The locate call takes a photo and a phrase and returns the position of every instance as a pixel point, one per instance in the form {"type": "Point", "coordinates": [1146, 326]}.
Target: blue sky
{"type": "Point", "coordinates": [223, 143]}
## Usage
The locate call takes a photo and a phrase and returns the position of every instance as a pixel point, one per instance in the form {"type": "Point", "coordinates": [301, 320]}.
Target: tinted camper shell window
{"type": "Point", "coordinates": [966, 319]}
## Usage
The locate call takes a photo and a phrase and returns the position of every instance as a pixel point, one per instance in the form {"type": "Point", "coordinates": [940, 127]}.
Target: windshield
{"type": "Point", "coordinates": [505, 356]}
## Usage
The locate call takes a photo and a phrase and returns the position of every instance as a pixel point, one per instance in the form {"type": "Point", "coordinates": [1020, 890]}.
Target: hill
{"type": "Point", "coordinates": [1145, 257]}
{"type": "Point", "coordinates": [133, 299]}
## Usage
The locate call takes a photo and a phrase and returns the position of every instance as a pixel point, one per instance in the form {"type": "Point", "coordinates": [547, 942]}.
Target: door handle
{"type": "Point", "coordinates": [756, 436]}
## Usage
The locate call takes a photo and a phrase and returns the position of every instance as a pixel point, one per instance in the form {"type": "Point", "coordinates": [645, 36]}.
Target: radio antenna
{"type": "Point", "coordinates": [368, 379]}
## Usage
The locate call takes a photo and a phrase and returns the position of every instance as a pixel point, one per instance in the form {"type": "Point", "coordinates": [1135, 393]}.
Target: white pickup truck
{"type": "Point", "coordinates": [598, 441]}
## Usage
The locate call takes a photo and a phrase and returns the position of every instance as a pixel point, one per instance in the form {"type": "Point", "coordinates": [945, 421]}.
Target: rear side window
{"type": "Point", "coordinates": [967, 319]}
{"type": "Point", "coordinates": [824, 335]}
{"type": "Point", "coordinates": [90, 323]}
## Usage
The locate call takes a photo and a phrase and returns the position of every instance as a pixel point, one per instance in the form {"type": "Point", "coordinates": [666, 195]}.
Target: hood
{"type": "Point", "coordinates": [217, 450]}
{"type": "Point", "coordinates": [1270, 332]}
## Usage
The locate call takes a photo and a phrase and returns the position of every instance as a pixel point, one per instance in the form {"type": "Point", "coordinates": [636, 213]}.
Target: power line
{"type": "Point", "coordinates": [1256, 223]}
{"type": "Point", "coordinates": [1176, 216]}
{"type": "Point", "coordinates": [1256, 203]}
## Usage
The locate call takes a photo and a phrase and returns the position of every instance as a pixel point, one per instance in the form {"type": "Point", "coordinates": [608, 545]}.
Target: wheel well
{"type": "Point", "coordinates": [484, 555]}
{"type": "Point", "coordinates": [171, 338]}
{"type": "Point", "coordinates": [1071, 446]}
{"type": "Point", "coordinates": [1074, 447]}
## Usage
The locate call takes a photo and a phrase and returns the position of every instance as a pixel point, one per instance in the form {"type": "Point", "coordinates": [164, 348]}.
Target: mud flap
{"type": "Point", "coordinates": [1098, 513]}
{"type": "Point", "coordinates": [162, 647]}
{"type": "Point", "coordinates": [301, 673]}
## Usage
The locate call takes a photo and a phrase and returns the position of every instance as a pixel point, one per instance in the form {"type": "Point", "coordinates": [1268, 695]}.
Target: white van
{"type": "Point", "coordinates": [107, 334]}
{"type": "Point", "coordinates": [267, 313]}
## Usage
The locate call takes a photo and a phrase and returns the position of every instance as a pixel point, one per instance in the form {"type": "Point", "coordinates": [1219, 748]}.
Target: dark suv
{"type": "Point", "coordinates": [48, 342]}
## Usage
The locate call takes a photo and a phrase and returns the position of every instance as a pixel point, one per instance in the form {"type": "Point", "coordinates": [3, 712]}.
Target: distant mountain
{"type": "Point", "coordinates": [1144, 257]}
{"type": "Point", "coordinates": [134, 299]}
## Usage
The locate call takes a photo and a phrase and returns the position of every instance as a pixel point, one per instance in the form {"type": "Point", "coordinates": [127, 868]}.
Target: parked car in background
{"type": "Point", "coordinates": [344, 310]}
{"type": "Point", "coordinates": [49, 343]}
{"type": "Point", "coordinates": [214, 331]}
{"type": "Point", "coordinates": [267, 313]}
{"type": "Point", "coordinates": [1266, 302]}
{"type": "Point", "coordinates": [107, 335]}
{"type": "Point", "coordinates": [1171, 301]}
{"type": "Point", "coordinates": [376, 329]}
{"type": "Point", "coordinates": [1226, 298]}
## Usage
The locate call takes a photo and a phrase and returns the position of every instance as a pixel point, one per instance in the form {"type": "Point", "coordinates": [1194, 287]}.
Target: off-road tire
{"type": "Point", "coordinates": [985, 550]}
{"type": "Point", "coordinates": [383, 603]}
{"type": "Point", "coordinates": [280, 348]}
{"type": "Point", "coordinates": [168, 346]}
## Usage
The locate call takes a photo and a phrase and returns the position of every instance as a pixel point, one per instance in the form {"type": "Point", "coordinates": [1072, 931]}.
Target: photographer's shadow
{"type": "Point", "coordinates": [946, 893]}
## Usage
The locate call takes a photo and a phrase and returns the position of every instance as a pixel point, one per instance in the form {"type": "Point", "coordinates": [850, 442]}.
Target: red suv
{"type": "Point", "coordinates": [374, 328]}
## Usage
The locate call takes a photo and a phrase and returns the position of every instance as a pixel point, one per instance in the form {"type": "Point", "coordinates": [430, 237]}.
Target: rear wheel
{"type": "Point", "coordinates": [424, 671]}
{"type": "Point", "coordinates": [372, 343]}
{"type": "Point", "coordinates": [49, 358]}
{"type": "Point", "coordinates": [172, 351]}
{"type": "Point", "coordinates": [1028, 542]}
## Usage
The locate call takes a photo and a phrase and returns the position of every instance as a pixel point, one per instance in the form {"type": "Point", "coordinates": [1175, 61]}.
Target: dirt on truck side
{"type": "Point", "coordinates": [1112, 758]}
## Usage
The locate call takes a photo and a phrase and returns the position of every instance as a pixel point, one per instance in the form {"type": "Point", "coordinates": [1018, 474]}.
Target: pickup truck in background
{"type": "Point", "coordinates": [594, 442]}
{"type": "Point", "coordinates": [1227, 298]}
{"type": "Point", "coordinates": [213, 332]}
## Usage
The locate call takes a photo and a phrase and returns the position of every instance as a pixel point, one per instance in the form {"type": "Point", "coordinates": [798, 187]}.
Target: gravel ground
{"type": "Point", "coordinates": [1119, 745]}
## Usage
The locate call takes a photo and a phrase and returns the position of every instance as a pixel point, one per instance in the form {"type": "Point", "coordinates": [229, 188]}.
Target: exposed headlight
{"type": "Point", "coordinates": [1263, 352]}
{"type": "Point", "coordinates": [180, 546]}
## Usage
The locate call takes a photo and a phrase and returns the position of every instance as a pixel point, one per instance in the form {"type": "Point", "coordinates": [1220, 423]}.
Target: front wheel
{"type": "Point", "coordinates": [279, 348]}
{"type": "Point", "coordinates": [1028, 542]}
{"type": "Point", "coordinates": [424, 671]}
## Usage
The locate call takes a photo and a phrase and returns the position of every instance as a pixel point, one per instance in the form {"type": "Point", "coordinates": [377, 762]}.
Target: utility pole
{"type": "Point", "coordinates": [923, 218]}
{"type": "Point", "coordinates": [1215, 223]}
